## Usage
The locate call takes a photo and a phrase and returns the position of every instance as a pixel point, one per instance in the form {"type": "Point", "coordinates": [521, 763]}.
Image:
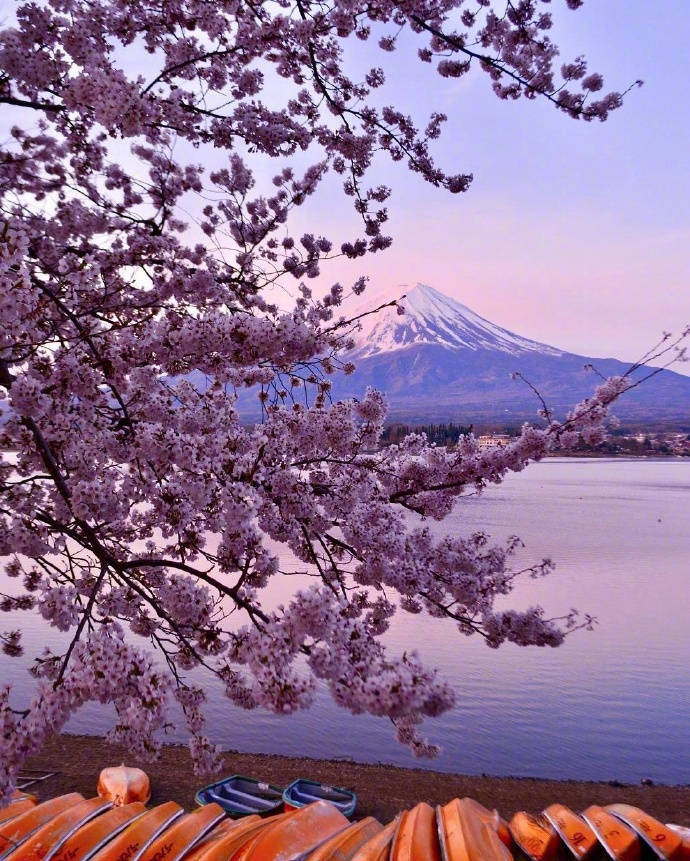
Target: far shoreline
{"type": "Point", "coordinates": [382, 790]}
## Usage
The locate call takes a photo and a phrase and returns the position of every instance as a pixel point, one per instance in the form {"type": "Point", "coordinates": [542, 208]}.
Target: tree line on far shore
{"type": "Point", "coordinates": [622, 440]}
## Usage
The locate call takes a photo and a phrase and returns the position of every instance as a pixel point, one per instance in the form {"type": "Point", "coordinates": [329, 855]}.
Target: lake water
{"type": "Point", "coordinates": [613, 703]}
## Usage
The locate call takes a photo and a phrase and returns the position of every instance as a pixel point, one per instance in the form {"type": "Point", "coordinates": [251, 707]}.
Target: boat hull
{"type": "Point", "coordinates": [684, 834]}
{"type": "Point", "coordinates": [58, 829]}
{"type": "Point", "coordinates": [378, 847]}
{"type": "Point", "coordinates": [302, 792]}
{"type": "Point", "coordinates": [91, 837]}
{"type": "Point", "coordinates": [535, 836]}
{"type": "Point", "coordinates": [577, 836]}
{"type": "Point", "coordinates": [663, 841]}
{"type": "Point", "coordinates": [128, 844]}
{"type": "Point", "coordinates": [491, 818]}
{"type": "Point", "coordinates": [180, 837]}
{"type": "Point", "coordinates": [416, 838]}
{"type": "Point", "coordinates": [618, 841]}
{"type": "Point", "coordinates": [299, 834]}
{"type": "Point", "coordinates": [344, 845]}
{"type": "Point", "coordinates": [242, 796]}
{"type": "Point", "coordinates": [465, 835]}
{"type": "Point", "coordinates": [16, 808]}
{"type": "Point", "coordinates": [226, 838]}
{"type": "Point", "coordinates": [17, 830]}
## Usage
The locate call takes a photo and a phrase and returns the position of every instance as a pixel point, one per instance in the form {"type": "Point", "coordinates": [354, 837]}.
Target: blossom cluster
{"type": "Point", "coordinates": [136, 308]}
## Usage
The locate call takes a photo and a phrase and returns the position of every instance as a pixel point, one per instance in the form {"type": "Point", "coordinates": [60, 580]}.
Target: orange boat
{"type": "Point", "coordinates": [416, 837]}
{"type": "Point", "coordinates": [577, 836]}
{"type": "Point", "coordinates": [378, 848]}
{"type": "Point", "coordinates": [684, 834]}
{"type": "Point", "coordinates": [298, 834]}
{"type": "Point", "coordinates": [16, 807]}
{"type": "Point", "coordinates": [183, 835]}
{"type": "Point", "coordinates": [20, 795]}
{"type": "Point", "coordinates": [492, 818]}
{"type": "Point", "coordinates": [451, 834]}
{"type": "Point", "coordinates": [95, 834]}
{"type": "Point", "coordinates": [483, 839]}
{"type": "Point", "coordinates": [535, 836]}
{"type": "Point", "coordinates": [211, 840]}
{"type": "Point", "coordinates": [466, 836]}
{"type": "Point", "coordinates": [123, 784]}
{"type": "Point", "coordinates": [18, 829]}
{"type": "Point", "coordinates": [620, 842]}
{"type": "Point", "coordinates": [244, 832]}
{"type": "Point", "coordinates": [137, 836]}
{"type": "Point", "coordinates": [344, 845]}
{"type": "Point", "coordinates": [243, 846]}
{"type": "Point", "coordinates": [53, 833]}
{"type": "Point", "coordinates": [665, 842]}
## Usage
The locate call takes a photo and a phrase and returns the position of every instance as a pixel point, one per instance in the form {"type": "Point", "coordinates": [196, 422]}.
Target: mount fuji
{"type": "Point", "coordinates": [439, 361]}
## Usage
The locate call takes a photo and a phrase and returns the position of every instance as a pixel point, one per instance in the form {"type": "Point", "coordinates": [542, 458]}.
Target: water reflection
{"type": "Point", "coordinates": [612, 703]}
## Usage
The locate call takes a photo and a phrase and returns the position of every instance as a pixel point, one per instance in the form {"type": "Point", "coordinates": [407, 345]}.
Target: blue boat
{"type": "Point", "coordinates": [241, 796]}
{"type": "Point", "coordinates": [302, 792]}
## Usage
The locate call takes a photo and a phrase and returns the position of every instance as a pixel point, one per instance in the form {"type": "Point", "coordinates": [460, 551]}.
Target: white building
{"type": "Point", "coordinates": [489, 440]}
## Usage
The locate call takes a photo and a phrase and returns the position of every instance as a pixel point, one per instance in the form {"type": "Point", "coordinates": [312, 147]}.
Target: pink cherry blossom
{"type": "Point", "coordinates": [135, 308]}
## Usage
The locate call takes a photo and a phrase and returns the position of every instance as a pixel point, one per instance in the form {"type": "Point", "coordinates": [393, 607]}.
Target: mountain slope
{"type": "Point", "coordinates": [440, 361]}
{"type": "Point", "coordinates": [434, 318]}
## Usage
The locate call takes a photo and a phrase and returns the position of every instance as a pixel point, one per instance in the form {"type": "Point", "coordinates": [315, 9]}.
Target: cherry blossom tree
{"type": "Point", "coordinates": [137, 512]}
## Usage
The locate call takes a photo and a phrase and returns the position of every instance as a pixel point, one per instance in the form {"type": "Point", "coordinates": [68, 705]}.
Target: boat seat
{"type": "Point", "coordinates": [307, 798]}
{"type": "Point", "coordinates": [231, 793]}
{"type": "Point", "coordinates": [223, 800]}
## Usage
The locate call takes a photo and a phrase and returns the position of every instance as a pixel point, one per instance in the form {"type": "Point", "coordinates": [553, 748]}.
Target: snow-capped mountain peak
{"type": "Point", "coordinates": [432, 317]}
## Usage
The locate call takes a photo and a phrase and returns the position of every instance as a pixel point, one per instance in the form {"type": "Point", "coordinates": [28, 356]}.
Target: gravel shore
{"type": "Point", "coordinates": [382, 790]}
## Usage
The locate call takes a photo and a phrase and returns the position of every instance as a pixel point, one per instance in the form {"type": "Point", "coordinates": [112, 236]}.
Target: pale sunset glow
{"type": "Point", "coordinates": [574, 234]}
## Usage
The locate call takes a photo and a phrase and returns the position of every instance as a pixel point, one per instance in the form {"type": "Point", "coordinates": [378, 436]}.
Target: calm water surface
{"type": "Point", "coordinates": [614, 703]}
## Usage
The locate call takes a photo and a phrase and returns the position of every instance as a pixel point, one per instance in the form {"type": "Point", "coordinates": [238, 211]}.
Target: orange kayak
{"type": "Point", "coordinates": [578, 837]}
{"type": "Point", "coordinates": [344, 845]}
{"type": "Point", "coordinates": [91, 837]}
{"type": "Point", "coordinates": [492, 818]}
{"type": "Point", "coordinates": [137, 836]}
{"type": "Point", "coordinates": [378, 847]}
{"type": "Point", "coordinates": [665, 842]}
{"type": "Point", "coordinates": [466, 836]}
{"type": "Point", "coordinates": [53, 833]}
{"type": "Point", "coordinates": [535, 836]}
{"type": "Point", "coordinates": [18, 829]}
{"type": "Point", "coordinates": [620, 842]}
{"type": "Point", "coordinates": [183, 834]}
{"type": "Point", "coordinates": [298, 834]}
{"type": "Point", "coordinates": [16, 807]}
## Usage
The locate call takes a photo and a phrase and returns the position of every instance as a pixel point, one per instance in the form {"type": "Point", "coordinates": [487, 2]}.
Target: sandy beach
{"type": "Point", "coordinates": [382, 790]}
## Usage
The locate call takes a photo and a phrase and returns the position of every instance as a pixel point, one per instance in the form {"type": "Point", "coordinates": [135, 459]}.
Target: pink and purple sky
{"type": "Point", "coordinates": [574, 234]}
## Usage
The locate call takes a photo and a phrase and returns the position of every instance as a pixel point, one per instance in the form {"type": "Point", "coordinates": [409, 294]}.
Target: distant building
{"type": "Point", "coordinates": [490, 440]}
